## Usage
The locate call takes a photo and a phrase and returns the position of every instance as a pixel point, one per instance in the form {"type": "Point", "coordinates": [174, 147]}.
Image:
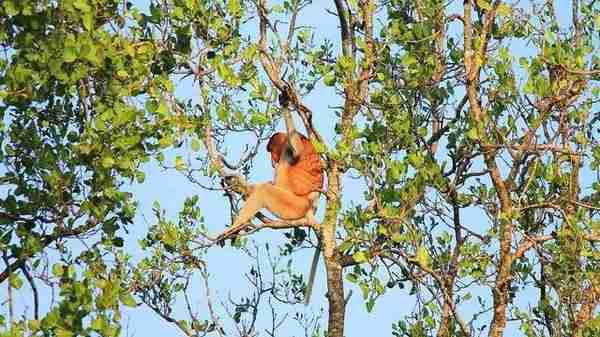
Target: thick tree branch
{"type": "Point", "coordinates": [590, 302]}
{"type": "Point", "coordinates": [367, 8]}
{"type": "Point", "coordinates": [344, 29]}
{"type": "Point", "coordinates": [473, 61]}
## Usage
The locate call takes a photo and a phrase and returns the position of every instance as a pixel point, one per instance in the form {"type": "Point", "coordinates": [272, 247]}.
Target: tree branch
{"type": "Point", "coordinates": [36, 298]}
{"type": "Point", "coordinates": [344, 29]}
{"type": "Point", "coordinates": [45, 241]}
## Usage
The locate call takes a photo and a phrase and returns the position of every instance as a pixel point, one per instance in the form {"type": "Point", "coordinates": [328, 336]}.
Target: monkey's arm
{"type": "Point", "coordinates": [293, 137]}
{"type": "Point", "coordinates": [294, 140]}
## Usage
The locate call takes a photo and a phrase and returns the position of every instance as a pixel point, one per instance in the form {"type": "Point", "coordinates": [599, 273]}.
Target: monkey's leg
{"type": "Point", "coordinates": [283, 203]}
{"type": "Point", "coordinates": [279, 201]}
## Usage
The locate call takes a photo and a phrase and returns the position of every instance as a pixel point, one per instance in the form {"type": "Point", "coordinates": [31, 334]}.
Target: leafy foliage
{"type": "Point", "coordinates": [473, 127]}
{"type": "Point", "coordinates": [72, 135]}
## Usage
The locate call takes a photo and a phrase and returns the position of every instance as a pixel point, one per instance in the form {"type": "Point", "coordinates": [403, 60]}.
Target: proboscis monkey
{"type": "Point", "coordinates": [297, 180]}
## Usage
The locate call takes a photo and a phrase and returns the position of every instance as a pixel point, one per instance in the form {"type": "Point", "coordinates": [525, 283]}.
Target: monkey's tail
{"type": "Point", "coordinates": [311, 275]}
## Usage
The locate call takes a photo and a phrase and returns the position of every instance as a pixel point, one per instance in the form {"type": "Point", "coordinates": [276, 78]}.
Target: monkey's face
{"type": "Point", "coordinates": [276, 145]}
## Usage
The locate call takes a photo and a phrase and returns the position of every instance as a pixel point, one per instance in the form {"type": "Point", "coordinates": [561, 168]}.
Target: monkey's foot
{"type": "Point", "coordinates": [230, 232]}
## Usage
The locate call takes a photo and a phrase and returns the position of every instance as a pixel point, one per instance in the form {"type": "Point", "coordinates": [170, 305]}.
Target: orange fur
{"type": "Point", "coordinates": [295, 186]}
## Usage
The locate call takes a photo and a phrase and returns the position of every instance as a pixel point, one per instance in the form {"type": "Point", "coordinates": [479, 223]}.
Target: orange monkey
{"type": "Point", "coordinates": [297, 180]}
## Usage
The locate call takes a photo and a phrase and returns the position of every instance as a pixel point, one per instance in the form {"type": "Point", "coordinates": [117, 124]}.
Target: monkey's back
{"type": "Point", "coordinates": [306, 175]}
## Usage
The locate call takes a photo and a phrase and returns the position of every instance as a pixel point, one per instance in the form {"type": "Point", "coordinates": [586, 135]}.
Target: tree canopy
{"type": "Point", "coordinates": [460, 139]}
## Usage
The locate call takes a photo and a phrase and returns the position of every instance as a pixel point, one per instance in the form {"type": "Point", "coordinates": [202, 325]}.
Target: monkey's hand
{"type": "Point", "coordinates": [284, 99]}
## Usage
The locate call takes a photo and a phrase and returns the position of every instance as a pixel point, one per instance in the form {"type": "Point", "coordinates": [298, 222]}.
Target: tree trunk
{"type": "Point", "coordinates": [332, 258]}
{"type": "Point", "coordinates": [335, 296]}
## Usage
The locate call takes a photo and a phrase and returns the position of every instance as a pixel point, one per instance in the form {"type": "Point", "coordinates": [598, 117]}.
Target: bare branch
{"type": "Point", "coordinates": [36, 298]}
{"type": "Point", "coordinates": [344, 29]}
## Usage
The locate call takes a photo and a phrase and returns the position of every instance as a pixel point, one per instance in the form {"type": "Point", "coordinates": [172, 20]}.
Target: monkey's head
{"type": "Point", "coordinates": [276, 145]}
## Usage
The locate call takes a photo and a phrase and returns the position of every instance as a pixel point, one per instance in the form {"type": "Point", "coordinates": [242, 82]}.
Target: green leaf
{"type": "Point", "coordinates": [234, 7]}
{"type": "Point", "coordinates": [370, 304]}
{"type": "Point", "coordinates": [10, 8]}
{"type": "Point", "coordinates": [15, 281]}
{"type": "Point", "coordinates": [128, 300]}
{"type": "Point", "coordinates": [33, 324]}
{"type": "Point", "coordinates": [98, 323]}
{"type": "Point", "coordinates": [319, 147]}
{"type": "Point", "coordinates": [168, 85]}
{"type": "Point", "coordinates": [484, 4]}
{"type": "Point", "coordinates": [122, 74]}
{"type": "Point", "coordinates": [88, 21]}
{"type": "Point", "coordinates": [169, 236]}
{"type": "Point", "coordinates": [61, 332]}
{"type": "Point", "coordinates": [504, 10]}
{"type": "Point", "coordinates": [196, 145]}
{"type": "Point", "coordinates": [227, 74]}
{"type": "Point", "coordinates": [151, 105]}
{"type": "Point", "coordinates": [524, 62]}
{"type": "Point", "coordinates": [345, 246]}
{"type": "Point", "coordinates": [364, 288]}
{"type": "Point", "coordinates": [57, 269]}
{"type": "Point", "coordinates": [179, 163]}
{"type": "Point", "coordinates": [118, 242]}
{"type": "Point", "coordinates": [329, 79]}
{"type": "Point", "coordinates": [222, 112]}
{"type": "Point", "coordinates": [472, 134]}
{"type": "Point", "coordinates": [162, 108]}
{"type": "Point", "coordinates": [360, 257]}
{"type": "Point", "coordinates": [423, 257]}
{"type": "Point", "coordinates": [70, 54]}
{"type": "Point", "coordinates": [107, 161]}
{"type": "Point", "coordinates": [71, 271]}
{"type": "Point", "coordinates": [415, 159]}
{"type": "Point", "coordinates": [580, 137]}
{"type": "Point", "coordinates": [82, 5]}
{"type": "Point", "coordinates": [397, 237]}
{"type": "Point", "coordinates": [178, 12]}
{"type": "Point", "coordinates": [345, 64]}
